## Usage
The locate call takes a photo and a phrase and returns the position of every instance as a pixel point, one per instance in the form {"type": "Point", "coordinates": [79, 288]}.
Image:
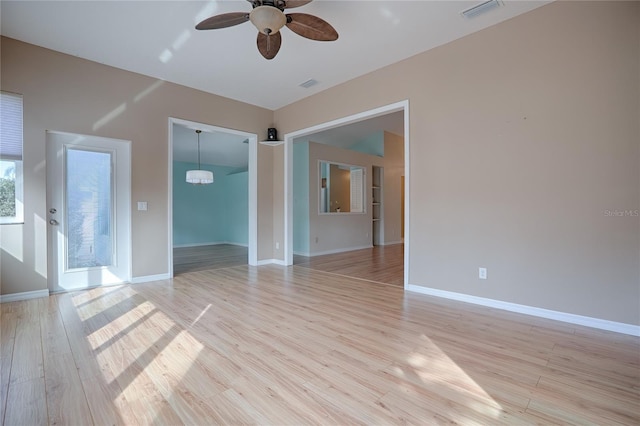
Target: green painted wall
{"type": "Point", "coordinates": [372, 144]}
{"type": "Point", "coordinates": [213, 213]}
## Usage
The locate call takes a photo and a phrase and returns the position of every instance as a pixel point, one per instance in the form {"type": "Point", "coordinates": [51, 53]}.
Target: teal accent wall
{"type": "Point", "coordinates": [372, 144]}
{"type": "Point", "coordinates": [218, 212]}
{"type": "Point", "coordinates": [236, 204]}
{"type": "Point", "coordinates": [301, 197]}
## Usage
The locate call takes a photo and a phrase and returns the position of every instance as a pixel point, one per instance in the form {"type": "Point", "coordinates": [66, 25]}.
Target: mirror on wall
{"type": "Point", "coordinates": [341, 188]}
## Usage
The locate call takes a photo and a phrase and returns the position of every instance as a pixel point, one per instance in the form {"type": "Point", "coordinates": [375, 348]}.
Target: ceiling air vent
{"type": "Point", "coordinates": [308, 83]}
{"type": "Point", "coordinates": [481, 8]}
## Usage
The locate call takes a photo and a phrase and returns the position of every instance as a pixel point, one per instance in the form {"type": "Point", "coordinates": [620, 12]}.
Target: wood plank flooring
{"type": "Point", "coordinates": [291, 345]}
{"type": "Point", "coordinates": [201, 258]}
{"type": "Point", "coordinates": [382, 264]}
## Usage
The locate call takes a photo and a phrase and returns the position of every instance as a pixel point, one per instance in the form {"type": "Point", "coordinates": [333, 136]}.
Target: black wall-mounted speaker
{"type": "Point", "coordinates": [272, 134]}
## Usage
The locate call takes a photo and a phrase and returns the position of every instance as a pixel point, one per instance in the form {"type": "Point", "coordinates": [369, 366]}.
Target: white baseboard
{"type": "Point", "coordinates": [212, 243]}
{"type": "Point", "coordinates": [25, 295]}
{"type": "Point", "coordinates": [271, 262]}
{"type": "Point", "coordinates": [307, 254]}
{"type": "Point", "coordinates": [341, 250]}
{"type": "Point", "coordinates": [237, 244]}
{"type": "Point", "coordinates": [618, 327]}
{"type": "Point", "coordinates": [149, 278]}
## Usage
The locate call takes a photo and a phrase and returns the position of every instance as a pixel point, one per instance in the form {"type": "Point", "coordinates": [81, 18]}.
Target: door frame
{"type": "Point", "coordinates": [253, 184]}
{"type": "Point", "coordinates": [288, 172]}
{"type": "Point", "coordinates": [52, 261]}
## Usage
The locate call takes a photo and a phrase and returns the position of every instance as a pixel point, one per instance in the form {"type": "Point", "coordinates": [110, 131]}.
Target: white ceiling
{"type": "Point", "coordinates": [157, 38]}
{"type": "Point", "coordinates": [226, 149]}
{"type": "Point", "coordinates": [347, 135]}
{"type": "Point", "coordinates": [217, 148]}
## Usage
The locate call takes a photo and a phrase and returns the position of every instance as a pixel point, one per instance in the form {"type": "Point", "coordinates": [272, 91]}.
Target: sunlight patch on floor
{"type": "Point", "coordinates": [204, 311]}
{"type": "Point", "coordinates": [433, 367]}
{"type": "Point", "coordinates": [141, 350]}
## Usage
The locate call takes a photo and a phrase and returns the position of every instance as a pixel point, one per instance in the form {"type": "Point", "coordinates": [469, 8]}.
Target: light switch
{"type": "Point", "coordinates": [142, 206]}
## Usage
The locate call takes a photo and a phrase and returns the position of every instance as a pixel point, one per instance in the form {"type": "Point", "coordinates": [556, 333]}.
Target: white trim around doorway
{"type": "Point", "coordinates": [288, 173]}
{"type": "Point", "coordinates": [253, 184]}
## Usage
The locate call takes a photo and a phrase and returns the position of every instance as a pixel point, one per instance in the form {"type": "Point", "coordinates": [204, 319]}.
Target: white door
{"type": "Point", "coordinates": [88, 211]}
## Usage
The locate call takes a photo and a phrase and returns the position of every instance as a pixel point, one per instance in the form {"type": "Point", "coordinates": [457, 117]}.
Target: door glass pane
{"type": "Point", "coordinates": [88, 209]}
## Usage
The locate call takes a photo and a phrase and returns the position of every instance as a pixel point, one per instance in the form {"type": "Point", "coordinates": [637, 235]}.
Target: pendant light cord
{"type": "Point", "coordinates": [198, 132]}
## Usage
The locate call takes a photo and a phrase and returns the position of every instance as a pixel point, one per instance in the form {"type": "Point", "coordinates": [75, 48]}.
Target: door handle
{"type": "Point", "coordinates": [53, 222]}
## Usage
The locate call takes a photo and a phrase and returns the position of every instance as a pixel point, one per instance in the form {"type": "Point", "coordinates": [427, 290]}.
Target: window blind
{"type": "Point", "coordinates": [10, 126]}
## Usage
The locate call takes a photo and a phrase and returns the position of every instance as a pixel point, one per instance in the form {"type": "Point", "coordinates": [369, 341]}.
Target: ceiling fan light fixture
{"type": "Point", "coordinates": [268, 19]}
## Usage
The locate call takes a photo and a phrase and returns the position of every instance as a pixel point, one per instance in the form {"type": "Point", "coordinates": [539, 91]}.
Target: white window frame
{"type": "Point", "coordinates": [18, 164]}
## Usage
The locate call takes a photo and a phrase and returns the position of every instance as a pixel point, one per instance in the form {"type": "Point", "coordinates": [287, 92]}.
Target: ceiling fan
{"type": "Point", "coordinates": [268, 16]}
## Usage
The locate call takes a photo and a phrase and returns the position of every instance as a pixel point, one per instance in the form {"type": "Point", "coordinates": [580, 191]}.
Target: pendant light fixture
{"type": "Point", "coordinates": [199, 177]}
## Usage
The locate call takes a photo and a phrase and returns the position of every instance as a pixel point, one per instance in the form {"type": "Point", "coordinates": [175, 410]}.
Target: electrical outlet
{"type": "Point", "coordinates": [482, 273]}
{"type": "Point", "coordinates": [277, 246]}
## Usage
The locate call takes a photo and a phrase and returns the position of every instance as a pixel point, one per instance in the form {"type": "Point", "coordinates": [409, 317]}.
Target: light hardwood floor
{"type": "Point", "coordinates": [290, 345]}
{"type": "Point", "coordinates": [201, 258]}
{"type": "Point", "coordinates": [381, 264]}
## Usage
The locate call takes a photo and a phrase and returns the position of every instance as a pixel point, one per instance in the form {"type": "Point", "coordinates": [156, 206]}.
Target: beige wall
{"type": "Point", "coordinates": [521, 137]}
{"type": "Point", "coordinates": [393, 169]}
{"type": "Point", "coordinates": [68, 94]}
{"type": "Point", "coordinates": [340, 189]}
{"type": "Point", "coordinates": [266, 230]}
{"type": "Point", "coordinates": [277, 199]}
{"type": "Point", "coordinates": [338, 232]}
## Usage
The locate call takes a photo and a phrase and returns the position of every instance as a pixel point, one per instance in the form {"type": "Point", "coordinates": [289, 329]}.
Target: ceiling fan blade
{"type": "Point", "coordinates": [289, 4]}
{"type": "Point", "coordinates": [269, 45]}
{"type": "Point", "coordinates": [311, 27]}
{"type": "Point", "coordinates": [223, 21]}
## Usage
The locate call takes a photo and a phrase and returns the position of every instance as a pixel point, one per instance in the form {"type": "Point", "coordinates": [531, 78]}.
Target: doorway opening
{"type": "Point", "coordinates": [382, 226]}
{"type": "Point", "coordinates": [212, 225]}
